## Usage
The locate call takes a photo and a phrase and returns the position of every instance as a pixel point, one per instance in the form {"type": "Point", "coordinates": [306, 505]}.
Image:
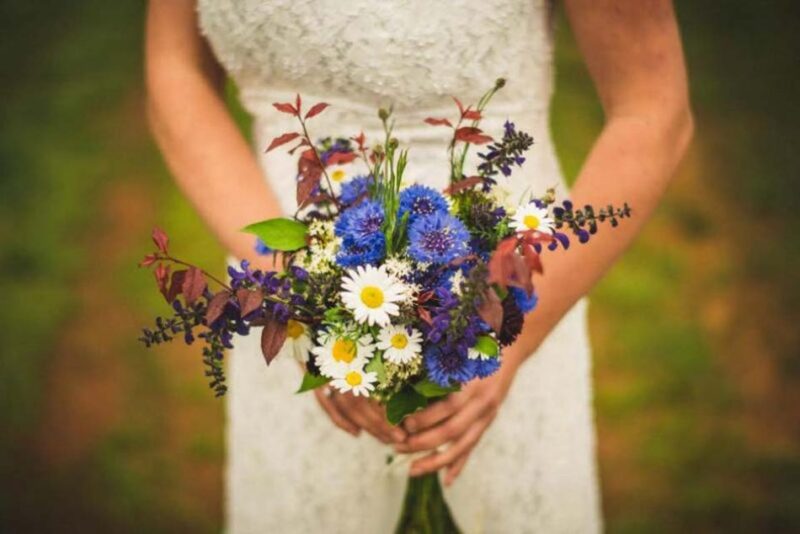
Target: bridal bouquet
{"type": "Point", "coordinates": [390, 290]}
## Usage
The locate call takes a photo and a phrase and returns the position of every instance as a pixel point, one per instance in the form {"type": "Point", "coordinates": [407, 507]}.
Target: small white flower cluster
{"type": "Point", "coordinates": [321, 253]}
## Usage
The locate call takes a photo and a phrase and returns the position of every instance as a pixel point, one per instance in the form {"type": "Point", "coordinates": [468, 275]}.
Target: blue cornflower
{"type": "Point", "coordinates": [419, 200]}
{"type": "Point", "coordinates": [360, 223]}
{"type": "Point", "coordinates": [525, 302]}
{"type": "Point", "coordinates": [447, 367]}
{"type": "Point", "coordinates": [438, 238]}
{"type": "Point", "coordinates": [355, 188]}
{"type": "Point", "coordinates": [486, 366]}
{"type": "Point", "coordinates": [370, 249]}
{"type": "Point", "coordinates": [261, 248]}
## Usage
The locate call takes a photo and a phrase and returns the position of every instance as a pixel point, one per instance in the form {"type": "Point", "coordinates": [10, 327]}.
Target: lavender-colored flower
{"type": "Point", "coordinates": [448, 367]}
{"type": "Point", "coordinates": [354, 189]}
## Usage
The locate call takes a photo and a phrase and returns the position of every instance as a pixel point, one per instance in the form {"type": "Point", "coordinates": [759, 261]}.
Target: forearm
{"type": "Point", "coordinates": [632, 161]}
{"type": "Point", "coordinates": [209, 158]}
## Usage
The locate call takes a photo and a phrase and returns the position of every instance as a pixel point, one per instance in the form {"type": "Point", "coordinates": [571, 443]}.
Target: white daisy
{"type": "Point", "coordinates": [298, 340]}
{"type": "Point", "coordinates": [372, 294]}
{"type": "Point", "coordinates": [355, 381]}
{"type": "Point", "coordinates": [532, 217]}
{"type": "Point", "coordinates": [339, 175]}
{"type": "Point", "coordinates": [400, 345]}
{"type": "Point", "coordinates": [338, 353]}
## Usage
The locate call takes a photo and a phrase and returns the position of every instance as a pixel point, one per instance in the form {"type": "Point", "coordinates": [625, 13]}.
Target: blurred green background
{"type": "Point", "coordinates": [697, 360]}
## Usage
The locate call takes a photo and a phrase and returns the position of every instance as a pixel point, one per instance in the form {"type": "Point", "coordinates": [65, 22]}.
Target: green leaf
{"type": "Point", "coordinates": [431, 390]}
{"type": "Point", "coordinates": [280, 233]}
{"type": "Point", "coordinates": [403, 403]}
{"type": "Point", "coordinates": [312, 382]}
{"type": "Point", "coordinates": [376, 366]}
{"type": "Point", "coordinates": [487, 345]}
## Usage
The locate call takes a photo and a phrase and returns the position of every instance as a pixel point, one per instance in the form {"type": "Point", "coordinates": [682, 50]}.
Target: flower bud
{"type": "Point", "coordinates": [383, 114]}
{"type": "Point", "coordinates": [499, 83]}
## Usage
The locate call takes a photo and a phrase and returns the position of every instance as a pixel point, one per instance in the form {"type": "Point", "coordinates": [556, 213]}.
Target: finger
{"type": "Point", "coordinates": [455, 468]}
{"type": "Point", "coordinates": [449, 430]}
{"type": "Point", "coordinates": [435, 413]}
{"type": "Point", "coordinates": [437, 460]}
{"type": "Point", "coordinates": [353, 410]}
{"type": "Point", "coordinates": [336, 416]}
{"type": "Point", "coordinates": [395, 433]}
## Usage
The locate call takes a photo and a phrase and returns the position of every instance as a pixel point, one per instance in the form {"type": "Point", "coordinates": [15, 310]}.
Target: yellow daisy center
{"type": "Point", "coordinates": [344, 350]}
{"type": "Point", "coordinates": [353, 378]}
{"type": "Point", "coordinates": [338, 175]}
{"type": "Point", "coordinates": [372, 297]}
{"type": "Point", "coordinates": [294, 329]}
{"type": "Point", "coordinates": [531, 221]}
{"type": "Point", "coordinates": [399, 340]}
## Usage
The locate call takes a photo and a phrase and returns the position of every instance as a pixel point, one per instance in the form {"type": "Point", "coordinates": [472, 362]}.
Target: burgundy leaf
{"type": "Point", "coordinates": [286, 108]}
{"type": "Point", "coordinates": [425, 296]}
{"type": "Point", "coordinates": [309, 171]}
{"type": "Point", "coordinates": [532, 258]}
{"type": "Point", "coordinates": [160, 239]}
{"type": "Point", "coordinates": [316, 109]}
{"type": "Point", "coordinates": [297, 103]}
{"type": "Point", "coordinates": [161, 272]}
{"type": "Point", "coordinates": [175, 285]}
{"type": "Point", "coordinates": [148, 260]}
{"type": "Point", "coordinates": [282, 140]}
{"type": "Point", "coordinates": [461, 185]}
{"type": "Point", "coordinates": [471, 134]}
{"type": "Point", "coordinates": [359, 139]}
{"type": "Point", "coordinates": [424, 314]}
{"type": "Point", "coordinates": [339, 158]}
{"type": "Point", "coordinates": [194, 284]}
{"type": "Point", "coordinates": [521, 274]}
{"type": "Point", "coordinates": [438, 122]}
{"type": "Point", "coordinates": [491, 310]}
{"type": "Point", "coordinates": [272, 338]}
{"type": "Point", "coordinates": [499, 263]}
{"type": "Point", "coordinates": [460, 106]}
{"type": "Point", "coordinates": [217, 305]}
{"type": "Point", "coordinates": [472, 115]}
{"type": "Point", "coordinates": [249, 300]}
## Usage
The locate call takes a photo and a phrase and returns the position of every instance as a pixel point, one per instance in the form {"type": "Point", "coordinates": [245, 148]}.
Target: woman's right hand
{"type": "Point", "coordinates": [353, 414]}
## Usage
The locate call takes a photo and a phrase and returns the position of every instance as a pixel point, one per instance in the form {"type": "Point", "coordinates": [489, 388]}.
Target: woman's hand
{"type": "Point", "coordinates": [458, 421]}
{"type": "Point", "coordinates": [352, 414]}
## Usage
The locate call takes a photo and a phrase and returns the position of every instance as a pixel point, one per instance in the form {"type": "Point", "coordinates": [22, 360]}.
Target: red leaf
{"type": "Point", "coordinates": [424, 314]}
{"type": "Point", "coordinates": [148, 260]}
{"type": "Point", "coordinates": [472, 115]}
{"type": "Point", "coordinates": [500, 270]}
{"type": "Point", "coordinates": [309, 169]}
{"type": "Point", "coordinates": [249, 300]}
{"type": "Point", "coordinates": [282, 140]}
{"type": "Point", "coordinates": [491, 310]}
{"type": "Point", "coordinates": [175, 285]}
{"type": "Point", "coordinates": [161, 272]}
{"type": "Point", "coordinates": [217, 305]}
{"type": "Point", "coordinates": [340, 158]}
{"type": "Point", "coordinates": [532, 258]}
{"type": "Point", "coordinates": [272, 338]}
{"type": "Point", "coordinates": [194, 283]}
{"type": "Point", "coordinates": [438, 122]}
{"type": "Point", "coordinates": [425, 296]}
{"type": "Point", "coordinates": [297, 103]}
{"type": "Point", "coordinates": [461, 185]}
{"type": "Point", "coordinates": [160, 239]}
{"type": "Point", "coordinates": [460, 106]}
{"type": "Point", "coordinates": [521, 274]}
{"type": "Point", "coordinates": [316, 109]}
{"type": "Point", "coordinates": [359, 139]}
{"type": "Point", "coordinates": [286, 108]}
{"type": "Point", "coordinates": [471, 134]}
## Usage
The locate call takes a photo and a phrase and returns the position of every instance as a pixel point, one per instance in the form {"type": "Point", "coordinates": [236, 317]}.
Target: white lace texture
{"type": "Point", "coordinates": [289, 468]}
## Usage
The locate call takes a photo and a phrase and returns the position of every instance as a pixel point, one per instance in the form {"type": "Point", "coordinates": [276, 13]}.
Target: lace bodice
{"type": "Point", "coordinates": [410, 53]}
{"type": "Point", "coordinates": [289, 469]}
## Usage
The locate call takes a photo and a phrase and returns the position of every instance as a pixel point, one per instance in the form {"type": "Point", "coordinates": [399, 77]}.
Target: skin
{"type": "Point", "coordinates": [633, 51]}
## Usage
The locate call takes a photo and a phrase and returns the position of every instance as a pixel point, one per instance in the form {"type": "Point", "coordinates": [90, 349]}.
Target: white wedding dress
{"type": "Point", "coordinates": [289, 469]}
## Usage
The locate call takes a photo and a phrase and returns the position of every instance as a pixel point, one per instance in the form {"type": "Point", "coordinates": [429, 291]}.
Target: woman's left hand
{"type": "Point", "coordinates": [458, 421]}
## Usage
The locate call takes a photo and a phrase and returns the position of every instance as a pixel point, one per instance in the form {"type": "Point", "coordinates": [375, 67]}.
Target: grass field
{"type": "Point", "coordinates": [696, 365]}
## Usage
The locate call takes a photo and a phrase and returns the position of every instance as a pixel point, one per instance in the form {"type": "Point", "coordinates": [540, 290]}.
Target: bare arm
{"type": "Point", "coordinates": [213, 164]}
{"type": "Point", "coordinates": [633, 51]}
{"type": "Point", "coordinates": [211, 161]}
